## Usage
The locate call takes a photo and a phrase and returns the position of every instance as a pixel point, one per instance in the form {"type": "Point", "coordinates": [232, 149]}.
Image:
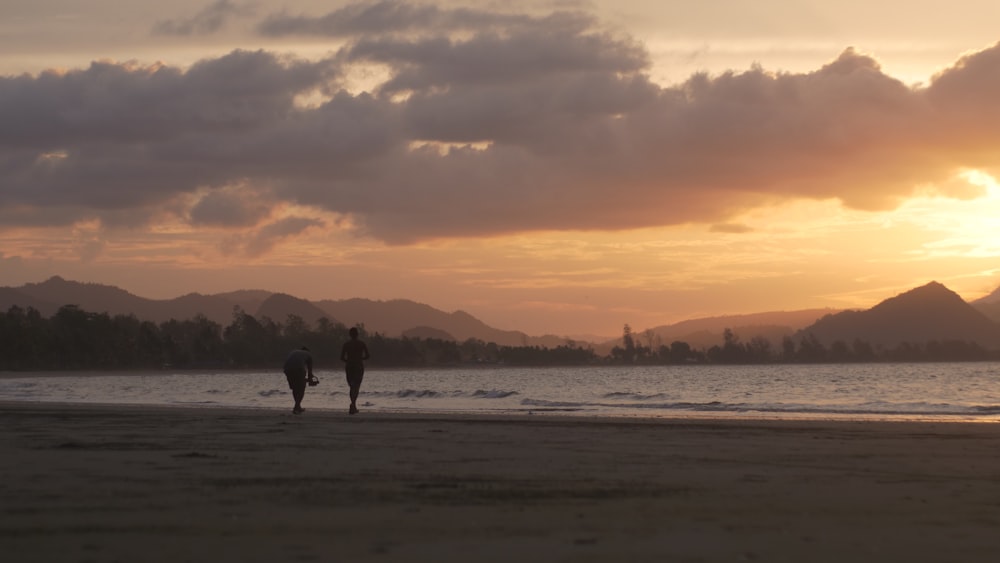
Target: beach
{"type": "Point", "coordinates": [138, 483]}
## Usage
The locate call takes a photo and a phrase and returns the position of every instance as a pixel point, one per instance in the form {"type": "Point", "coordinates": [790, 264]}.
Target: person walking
{"type": "Point", "coordinates": [353, 354]}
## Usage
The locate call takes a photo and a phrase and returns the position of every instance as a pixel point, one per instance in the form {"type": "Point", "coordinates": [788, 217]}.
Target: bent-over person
{"type": "Point", "coordinates": [298, 370]}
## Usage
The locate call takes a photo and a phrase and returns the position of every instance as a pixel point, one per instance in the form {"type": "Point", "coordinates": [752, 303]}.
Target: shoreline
{"type": "Point", "coordinates": [944, 394]}
{"type": "Point", "coordinates": [529, 413]}
{"type": "Point", "coordinates": [97, 482]}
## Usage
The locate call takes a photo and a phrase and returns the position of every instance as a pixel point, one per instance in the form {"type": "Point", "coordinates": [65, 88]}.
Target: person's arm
{"type": "Point", "coordinates": [343, 352]}
{"type": "Point", "coordinates": [364, 351]}
{"type": "Point", "coordinates": [309, 366]}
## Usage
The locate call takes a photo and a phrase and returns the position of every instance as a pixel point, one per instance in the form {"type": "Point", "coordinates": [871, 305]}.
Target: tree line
{"type": "Point", "coordinates": [804, 348]}
{"type": "Point", "coordinates": [74, 339]}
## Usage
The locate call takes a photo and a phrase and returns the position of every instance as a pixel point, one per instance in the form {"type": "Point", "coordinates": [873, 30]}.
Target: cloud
{"type": "Point", "coordinates": [120, 137]}
{"type": "Point", "coordinates": [495, 60]}
{"type": "Point", "coordinates": [731, 228]}
{"type": "Point", "coordinates": [209, 20]}
{"type": "Point", "coordinates": [229, 208]}
{"type": "Point", "coordinates": [383, 17]}
{"type": "Point", "coordinates": [88, 246]}
{"type": "Point", "coordinates": [11, 261]}
{"type": "Point", "coordinates": [488, 123]}
{"type": "Point", "coordinates": [266, 237]}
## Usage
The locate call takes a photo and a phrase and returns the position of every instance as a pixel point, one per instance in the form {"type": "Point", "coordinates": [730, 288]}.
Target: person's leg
{"type": "Point", "coordinates": [354, 377]}
{"type": "Point", "coordinates": [355, 389]}
{"type": "Point", "coordinates": [297, 383]}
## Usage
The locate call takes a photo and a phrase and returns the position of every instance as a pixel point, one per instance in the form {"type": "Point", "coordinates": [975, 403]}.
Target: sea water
{"type": "Point", "coordinates": [925, 391]}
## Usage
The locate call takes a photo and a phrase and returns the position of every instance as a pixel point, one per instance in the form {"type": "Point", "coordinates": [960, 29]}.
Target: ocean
{"type": "Point", "coordinates": [925, 391]}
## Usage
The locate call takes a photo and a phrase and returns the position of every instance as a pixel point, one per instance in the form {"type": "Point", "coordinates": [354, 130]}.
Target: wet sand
{"type": "Point", "coordinates": [94, 483]}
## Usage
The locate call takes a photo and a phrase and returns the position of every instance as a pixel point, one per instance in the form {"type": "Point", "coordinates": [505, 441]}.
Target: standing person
{"type": "Point", "coordinates": [299, 368]}
{"type": "Point", "coordinates": [353, 354]}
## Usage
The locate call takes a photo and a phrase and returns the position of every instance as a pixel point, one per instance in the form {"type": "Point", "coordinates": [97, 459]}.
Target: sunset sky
{"type": "Point", "coordinates": [554, 167]}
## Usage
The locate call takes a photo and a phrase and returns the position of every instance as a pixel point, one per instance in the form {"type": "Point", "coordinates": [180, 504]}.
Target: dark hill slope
{"type": "Point", "coordinates": [706, 332]}
{"type": "Point", "coordinates": [10, 297]}
{"type": "Point", "coordinates": [55, 292]}
{"type": "Point", "coordinates": [280, 305]}
{"type": "Point", "coordinates": [392, 318]}
{"type": "Point", "coordinates": [91, 297]}
{"type": "Point", "coordinates": [399, 316]}
{"type": "Point", "coordinates": [929, 312]}
{"type": "Point", "coordinates": [989, 305]}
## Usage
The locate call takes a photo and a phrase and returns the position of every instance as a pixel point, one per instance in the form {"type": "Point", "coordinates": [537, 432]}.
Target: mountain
{"type": "Point", "coordinates": [392, 318]}
{"type": "Point", "coordinates": [426, 332]}
{"type": "Point", "coordinates": [188, 306]}
{"type": "Point", "coordinates": [989, 305]}
{"type": "Point", "coordinates": [993, 297]}
{"type": "Point", "coordinates": [280, 305]}
{"type": "Point", "coordinates": [707, 332]}
{"type": "Point", "coordinates": [56, 292]}
{"type": "Point", "coordinates": [48, 296]}
{"type": "Point", "coordinates": [397, 316]}
{"type": "Point", "coordinates": [929, 312]}
{"type": "Point", "coordinates": [10, 297]}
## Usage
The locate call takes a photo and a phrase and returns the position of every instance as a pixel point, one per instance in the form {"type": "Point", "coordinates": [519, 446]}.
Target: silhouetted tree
{"type": "Point", "coordinates": [839, 352]}
{"type": "Point", "coordinates": [788, 350]}
{"type": "Point", "coordinates": [25, 342]}
{"type": "Point", "coordinates": [811, 350]}
{"type": "Point", "coordinates": [248, 342]}
{"type": "Point", "coordinates": [759, 350]}
{"type": "Point", "coordinates": [862, 351]}
{"type": "Point", "coordinates": [732, 351]}
{"type": "Point", "coordinates": [680, 352]}
{"type": "Point", "coordinates": [627, 351]}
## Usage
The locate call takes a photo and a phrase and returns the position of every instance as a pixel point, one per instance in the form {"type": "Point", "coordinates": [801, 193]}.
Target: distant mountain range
{"type": "Point", "coordinates": [989, 305]}
{"type": "Point", "coordinates": [930, 312]}
{"type": "Point", "coordinates": [393, 318]}
{"type": "Point", "coordinates": [707, 332]}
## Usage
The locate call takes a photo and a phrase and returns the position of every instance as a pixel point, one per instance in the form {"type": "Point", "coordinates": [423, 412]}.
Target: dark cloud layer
{"type": "Point", "coordinates": [391, 17]}
{"type": "Point", "coordinates": [210, 20]}
{"type": "Point", "coordinates": [267, 236]}
{"type": "Point", "coordinates": [519, 123]}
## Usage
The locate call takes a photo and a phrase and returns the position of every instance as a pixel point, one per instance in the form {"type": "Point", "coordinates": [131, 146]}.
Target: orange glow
{"type": "Point", "coordinates": [786, 159]}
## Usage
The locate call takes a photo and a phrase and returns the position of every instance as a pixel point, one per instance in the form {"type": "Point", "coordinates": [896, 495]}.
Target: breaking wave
{"type": "Point", "coordinates": [432, 394]}
{"type": "Point", "coordinates": [876, 408]}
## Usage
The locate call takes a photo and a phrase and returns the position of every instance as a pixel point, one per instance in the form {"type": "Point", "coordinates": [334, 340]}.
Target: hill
{"type": "Point", "coordinates": [10, 297]}
{"type": "Point", "coordinates": [280, 305]}
{"type": "Point", "coordinates": [993, 297]}
{"type": "Point", "coordinates": [707, 332]}
{"type": "Point", "coordinates": [398, 316]}
{"type": "Point", "coordinates": [989, 305]}
{"type": "Point", "coordinates": [51, 294]}
{"type": "Point", "coordinates": [929, 312]}
{"type": "Point", "coordinates": [48, 296]}
{"type": "Point", "coordinates": [392, 318]}
{"type": "Point", "coordinates": [426, 332]}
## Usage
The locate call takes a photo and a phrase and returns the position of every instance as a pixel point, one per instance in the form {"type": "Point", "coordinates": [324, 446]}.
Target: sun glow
{"type": "Point", "coordinates": [967, 228]}
{"type": "Point", "coordinates": [51, 157]}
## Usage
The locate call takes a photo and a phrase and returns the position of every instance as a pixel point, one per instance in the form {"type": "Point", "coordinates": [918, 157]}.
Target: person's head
{"type": "Point", "coordinates": [353, 332]}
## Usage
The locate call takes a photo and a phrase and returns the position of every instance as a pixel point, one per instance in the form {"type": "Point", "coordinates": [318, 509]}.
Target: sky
{"type": "Point", "coordinates": [555, 167]}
